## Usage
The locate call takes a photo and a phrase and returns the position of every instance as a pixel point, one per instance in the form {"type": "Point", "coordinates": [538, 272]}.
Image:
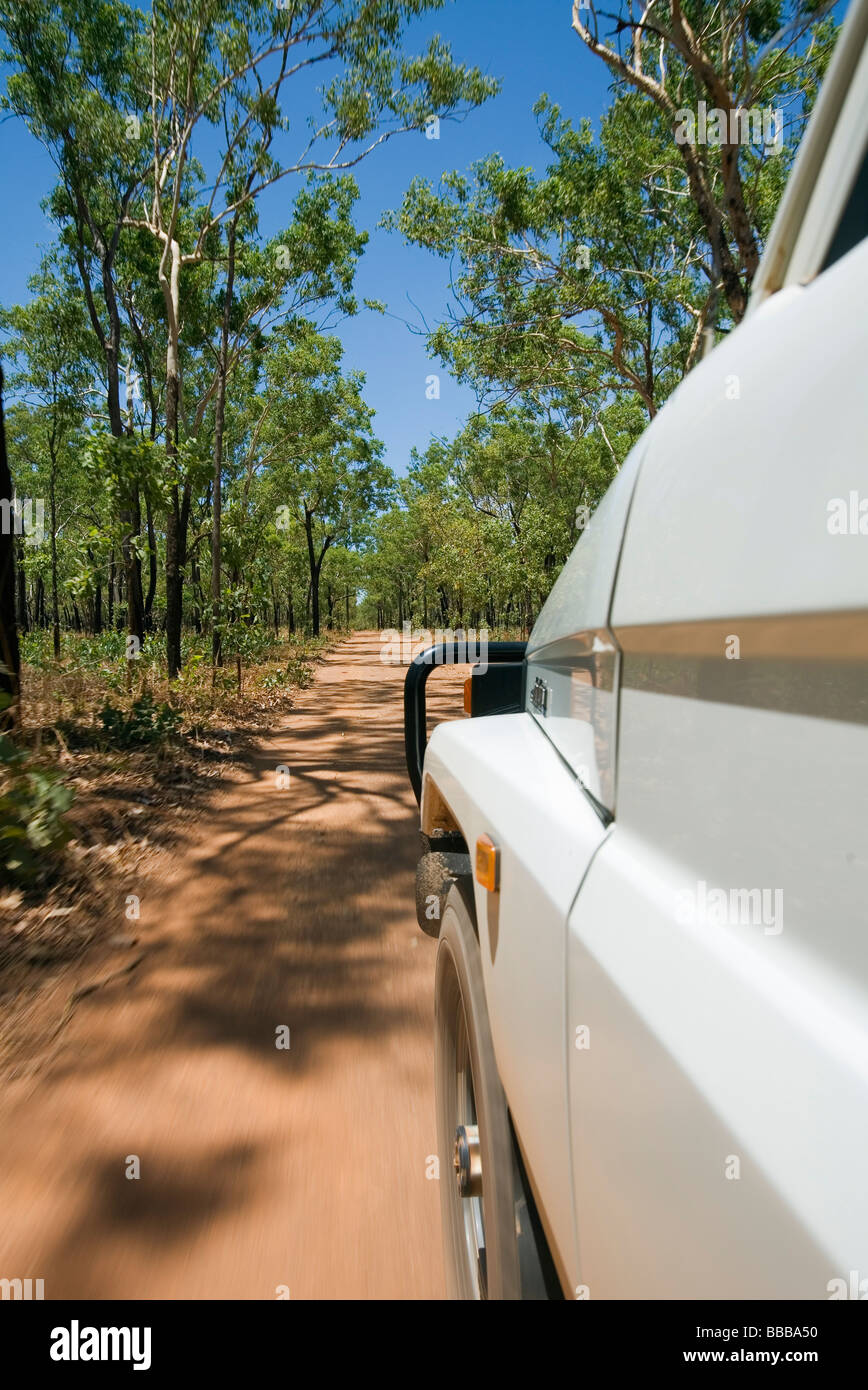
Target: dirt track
{"type": "Point", "coordinates": [260, 1166]}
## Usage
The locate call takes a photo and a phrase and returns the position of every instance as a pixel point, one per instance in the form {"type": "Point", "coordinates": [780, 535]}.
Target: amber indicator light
{"type": "Point", "coordinates": [487, 864]}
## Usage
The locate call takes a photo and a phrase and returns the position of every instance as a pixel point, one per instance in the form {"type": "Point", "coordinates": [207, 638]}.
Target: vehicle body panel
{"type": "Point", "coordinates": [740, 771]}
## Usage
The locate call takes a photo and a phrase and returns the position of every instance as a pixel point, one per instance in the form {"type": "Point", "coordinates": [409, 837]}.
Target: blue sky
{"type": "Point", "coordinates": [530, 46]}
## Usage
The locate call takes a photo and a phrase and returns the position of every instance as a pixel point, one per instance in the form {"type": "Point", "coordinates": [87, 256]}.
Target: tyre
{"type": "Point", "coordinates": [490, 1247]}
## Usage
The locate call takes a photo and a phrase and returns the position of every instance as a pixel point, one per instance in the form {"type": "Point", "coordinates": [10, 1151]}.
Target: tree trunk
{"type": "Point", "coordinates": [9, 652]}
{"type": "Point", "coordinates": [174, 527]}
{"type": "Point", "coordinates": [314, 603]}
{"type": "Point", "coordinates": [55, 612]}
{"type": "Point", "coordinates": [314, 571]}
{"type": "Point", "coordinates": [152, 564]}
{"type": "Point", "coordinates": [315, 563]}
{"type": "Point", "coordinates": [219, 420]}
{"type": "Point", "coordinates": [174, 592]}
{"type": "Point", "coordinates": [131, 520]}
{"type": "Point", "coordinates": [21, 591]}
{"type": "Point", "coordinates": [130, 513]}
{"type": "Point", "coordinates": [195, 579]}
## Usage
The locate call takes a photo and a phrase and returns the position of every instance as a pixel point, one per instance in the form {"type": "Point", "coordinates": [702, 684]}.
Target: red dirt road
{"type": "Point", "coordinates": [260, 1167]}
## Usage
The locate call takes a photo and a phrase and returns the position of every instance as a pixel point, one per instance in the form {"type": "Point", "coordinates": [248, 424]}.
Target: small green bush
{"type": "Point", "coordinates": [31, 814]}
{"type": "Point", "coordinates": [145, 723]}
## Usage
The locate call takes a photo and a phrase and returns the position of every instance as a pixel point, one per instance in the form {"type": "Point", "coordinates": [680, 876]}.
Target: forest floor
{"type": "Point", "coordinates": [274, 891]}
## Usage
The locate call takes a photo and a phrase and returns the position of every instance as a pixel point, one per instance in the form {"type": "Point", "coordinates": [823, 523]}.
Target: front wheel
{"type": "Point", "coordinates": [489, 1243]}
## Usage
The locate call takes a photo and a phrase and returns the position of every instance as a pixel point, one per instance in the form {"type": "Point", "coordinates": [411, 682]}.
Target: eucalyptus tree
{"type": "Point", "coordinates": [47, 341]}
{"type": "Point", "coordinates": [10, 657]}
{"type": "Point", "coordinates": [607, 273]}
{"type": "Point", "coordinates": [537, 477]}
{"type": "Point", "coordinates": [326, 475]}
{"type": "Point", "coordinates": [74, 73]}
{"type": "Point", "coordinates": [307, 267]}
{"type": "Point", "coordinates": [342, 576]}
{"type": "Point", "coordinates": [730, 86]}
{"type": "Point", "coordinates": [569, 286]}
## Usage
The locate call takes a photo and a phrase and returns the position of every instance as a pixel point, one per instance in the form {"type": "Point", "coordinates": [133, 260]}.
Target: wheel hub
{"type": "Point", "coordinates": [467, 1161]}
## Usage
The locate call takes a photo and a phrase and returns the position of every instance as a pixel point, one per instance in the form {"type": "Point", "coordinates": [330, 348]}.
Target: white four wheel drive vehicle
{"type": "Point", "coordinates": [650, 853]}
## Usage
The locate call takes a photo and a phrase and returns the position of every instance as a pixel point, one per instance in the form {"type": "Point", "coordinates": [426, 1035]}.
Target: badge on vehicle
{"type": "Point", "coordinates": [539, 696]}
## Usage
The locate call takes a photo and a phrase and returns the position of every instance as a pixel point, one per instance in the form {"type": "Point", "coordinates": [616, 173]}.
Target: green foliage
{"type": "Point", "coordinates": [296, 673]}
{"type": "Point", "coordinates": [118, 465]}
{"type": "Point", "coordinates": [32, 806]}
{"type": "Point", "coordinates": [145, 723]}
{"type": "Point", "coordinates": [717, 195]}
{"type": "Point", "coordinates": [103, 655]}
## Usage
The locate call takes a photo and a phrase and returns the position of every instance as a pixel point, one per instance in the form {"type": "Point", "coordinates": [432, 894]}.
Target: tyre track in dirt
{"type": "Point", "coordinates": [260, 1167]}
